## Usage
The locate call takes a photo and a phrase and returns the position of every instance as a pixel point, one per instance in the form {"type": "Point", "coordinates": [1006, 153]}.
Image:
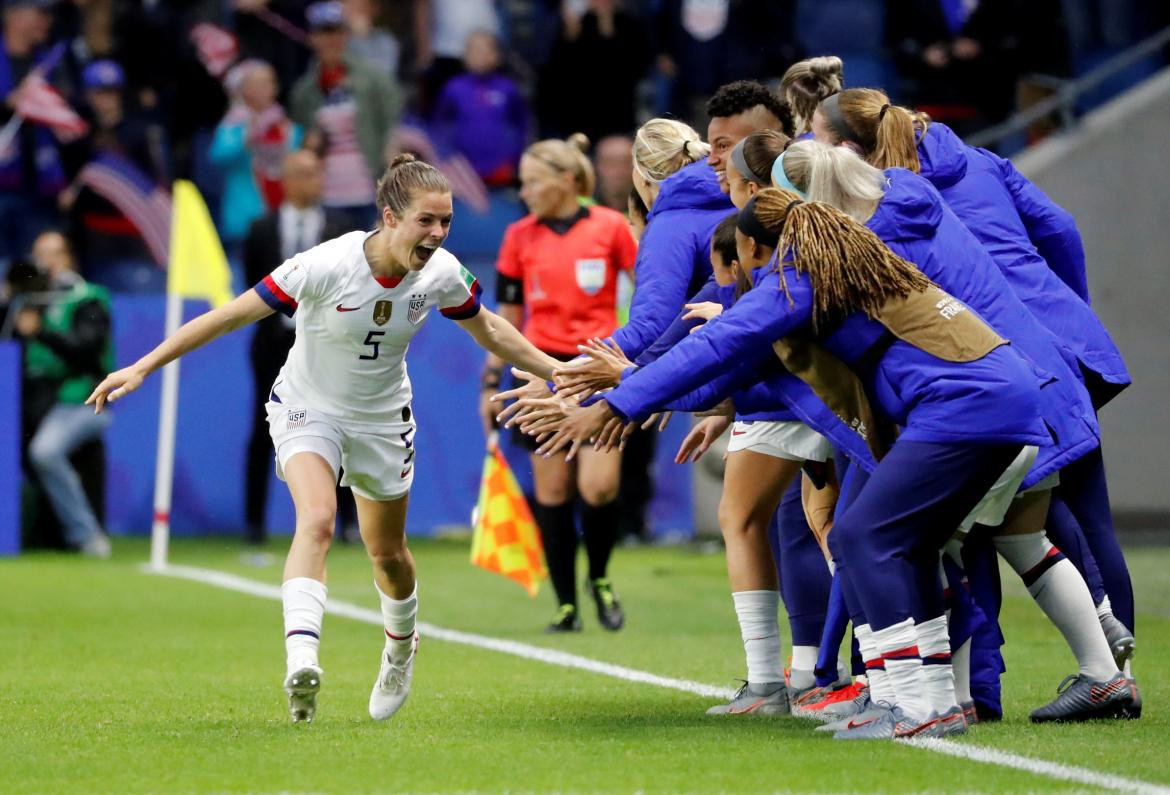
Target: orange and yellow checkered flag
{"type": "Point", "coordinates": [506, 540]}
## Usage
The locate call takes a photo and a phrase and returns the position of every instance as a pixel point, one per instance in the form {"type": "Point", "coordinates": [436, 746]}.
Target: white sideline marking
{"type": "Point", "coordinates": [973, 753]}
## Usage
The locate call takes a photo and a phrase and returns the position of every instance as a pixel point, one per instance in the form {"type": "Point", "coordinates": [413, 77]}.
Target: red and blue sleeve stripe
{"type": "Point", "coordinates": [275, 297]}
{"type": "Point", "coordinates": [469, 308]}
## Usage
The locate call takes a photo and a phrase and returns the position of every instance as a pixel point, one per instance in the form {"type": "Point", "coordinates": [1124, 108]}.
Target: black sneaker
{"type": "Point", "coordinates": [609, 609]}
{"type": "Point", "coordinates": [566, 620]}
{"type": "Point", "coordinates": [1080, 698]}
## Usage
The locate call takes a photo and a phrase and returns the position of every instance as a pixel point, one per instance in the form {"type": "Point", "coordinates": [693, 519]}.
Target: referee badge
{"type": "Point", "coordinates": [382, 312]}
{"type": "Point", "coordinates": [591, 275]}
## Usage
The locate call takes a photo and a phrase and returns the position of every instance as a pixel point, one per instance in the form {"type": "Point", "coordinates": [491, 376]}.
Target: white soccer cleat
{"type": "Point", "coordinates": [393, 683]}
{"type": "Point", "coordinates": [302, 685]}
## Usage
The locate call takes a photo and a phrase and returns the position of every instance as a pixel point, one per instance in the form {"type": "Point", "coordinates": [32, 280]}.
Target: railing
{"type": "Point", "coordinates": [1067, 92]}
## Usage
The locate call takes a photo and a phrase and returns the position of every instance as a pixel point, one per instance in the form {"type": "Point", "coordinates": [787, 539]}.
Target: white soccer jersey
{"type": "Point", "coordinates": [353, 329]}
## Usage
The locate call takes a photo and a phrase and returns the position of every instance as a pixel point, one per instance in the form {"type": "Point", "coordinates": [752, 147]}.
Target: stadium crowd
{"type": "Point", "coordinates": [893, 327]}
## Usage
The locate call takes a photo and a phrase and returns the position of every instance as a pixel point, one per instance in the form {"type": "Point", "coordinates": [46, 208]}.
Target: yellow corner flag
{"type": "Point", "coordinates": [506, 540]}
{"type": "Point", "coordinates": [198, 266]}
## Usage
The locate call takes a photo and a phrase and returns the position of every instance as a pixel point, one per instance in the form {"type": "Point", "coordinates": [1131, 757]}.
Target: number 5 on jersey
{"type": "Point", "coordinates": [373, 341]}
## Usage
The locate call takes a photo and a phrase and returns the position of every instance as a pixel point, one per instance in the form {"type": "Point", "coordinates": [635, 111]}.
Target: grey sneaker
{"type": "Point", "coordinates": [834, 713]}
{"type": "Point", "coordinates": [1080, 698]}
{"type": "Point", "coordinates": [970, 713]}
{"type": "Point", "coordinates": [949, 723]}
{"type": "Point", "coordinates": [1121, 640]}
{"type": "Point", "coordinates": [891, 723]}
{"type": "Point", "coordinates": [96, 546]}
{"type": "Point", "coordinates": [302, 686]}
{"type": "Point", "coordinates": [767, 698]}
{"type": "Point", "coordinates": [868, 714]}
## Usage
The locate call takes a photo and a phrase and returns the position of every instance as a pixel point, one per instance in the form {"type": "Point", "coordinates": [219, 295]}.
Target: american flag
{"type": "Point", "coordinates": [38, 101]}
{"type": "Point", "coordinates": [217, 48]}
{"type": "Point", "coordinates": [145, 203]}
{"type": "Point", "coordinates": [465, 183]}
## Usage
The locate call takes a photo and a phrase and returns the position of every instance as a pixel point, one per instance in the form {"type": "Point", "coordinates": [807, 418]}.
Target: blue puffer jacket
{"type": "Point", "coordinates": [674, 256]}
{"type": "Point", "coordinates": [914, 222]}
{"type": "Point", "coordinates": [993, 399]}
{"type": "Point", "coordinates": [974, 188]}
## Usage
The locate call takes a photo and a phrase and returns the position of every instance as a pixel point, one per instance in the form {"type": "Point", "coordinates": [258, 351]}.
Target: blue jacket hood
{"type": "Point", "coordinates": [911, 208]}
{"type": "Point", "coordinates": [943, 156]}
{"type": "Point", "coordinates": [693, 187]}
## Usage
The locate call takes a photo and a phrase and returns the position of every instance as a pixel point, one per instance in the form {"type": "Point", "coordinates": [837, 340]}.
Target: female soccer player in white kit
{"type": "Point", "coordinates": [342, 402]}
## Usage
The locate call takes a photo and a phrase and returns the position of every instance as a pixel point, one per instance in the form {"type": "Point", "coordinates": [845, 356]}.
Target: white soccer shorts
{"type": "Point", "coordinates": [995, 503]}
{"type": "Point", "coordinates": [377, 463]}
{"type": "Point", "coordinates": [788, 439]}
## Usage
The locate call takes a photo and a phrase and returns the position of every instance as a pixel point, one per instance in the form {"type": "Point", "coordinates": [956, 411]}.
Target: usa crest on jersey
{"type": "Point", "coordinates": [590, 275]}
{"type": "Point", "coordinates": [416, 309]}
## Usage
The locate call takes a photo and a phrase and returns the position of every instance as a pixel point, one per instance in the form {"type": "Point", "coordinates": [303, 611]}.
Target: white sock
{"type": "Point", "coordinates": [398, 616]}
{"type": "Point", "coordinates": [898, 646]}
{"type": "Point", "coordinates": [1060, 590]}
{"type": "Point", "coordinates": [875, 672]}
{"type": "Point", "coordinates": [961, 667]}
{"type": "Point", "coordinates": [760, 628]}
{"type": "Point", "coordinates": [934, 647]}
{"type": "Point", "coordinates": [804, 658]}
{"type": "Point", "coordinates": [304, 609]}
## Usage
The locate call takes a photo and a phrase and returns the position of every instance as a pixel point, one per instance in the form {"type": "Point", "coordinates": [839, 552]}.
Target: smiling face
{"type": "Point", "coordinates": [421, 229]}
{"type": "Point", "coordinates": [739, 189]}
{"type": "Point", "coordinates": [547, 191]}
{"type": "Point", "coordinates": [724, 132]}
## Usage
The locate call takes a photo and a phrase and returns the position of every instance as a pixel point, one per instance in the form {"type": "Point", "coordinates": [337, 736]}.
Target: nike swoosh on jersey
{"type": "Point", "coordinates": [341, 308]}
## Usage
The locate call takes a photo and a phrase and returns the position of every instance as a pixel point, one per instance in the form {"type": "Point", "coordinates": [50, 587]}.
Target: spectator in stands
{"type": "Point", "coordinates": [441, 30]}
{"type": "Point", "coordinates": [67, 347]}
{"type": "Point", "coordinates": [614, 163]}
{"type": "Point", "coordinates": [111, 246]}
{"type": "Point", "coordinates": [298, 224]}
{"type": "Point", "coordinates": [591, 79]}
{"type": "Point", "coordinates": [31, 173]}
{"type": "Point", "coordinates": [259, 26]}
{"type": "Point", "coordinates": [482, 114]}
{"type": "Point", "coordinates": [348, 110]}
{"type": "Point", "coordinates": [703, 44]}
{"type": "Point", "coordinates": [249, 147]}
{"type": "Point", "coordinates": [372, 44]}
{"type": "Point", "coordinates": [959, 57]}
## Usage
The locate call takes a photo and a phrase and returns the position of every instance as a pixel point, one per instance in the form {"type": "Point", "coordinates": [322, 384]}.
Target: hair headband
{"type": "Point", "coordinates": [831, 108]}
{"type": "Point", "coordinates": [780, 177]}
{"type": "Point", "coordinates": [751, 226]}
{"type": "Point", "coordinates": [741, 165]}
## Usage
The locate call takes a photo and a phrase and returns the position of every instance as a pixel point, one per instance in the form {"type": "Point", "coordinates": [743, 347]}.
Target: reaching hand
{"type": "Point", "coordinates": [662, 419]}
{"type": "Point", "coordinates": [115, 387]}
{"type": "Point", "coordinates": [603, 370]}
{"type": "Point", "coordinates": [579, 426]}
{"type": "Point", "coordinates": [533, 387]}
{"type": "Point", "coordinates": [704, 311]}
{"type": "Point", "coordinates": [700, 438]}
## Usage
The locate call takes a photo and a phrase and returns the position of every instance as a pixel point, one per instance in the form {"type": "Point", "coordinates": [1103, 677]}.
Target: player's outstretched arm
{"type": "Point", "coordinates": [247, 308]}
{"type": "Point", "coordinates": [497, 336]}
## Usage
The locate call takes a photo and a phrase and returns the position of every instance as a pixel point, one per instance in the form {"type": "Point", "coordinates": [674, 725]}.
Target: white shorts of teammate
{"type": "Point", "coordinates": [378, 463]}
{"type": "Point", "coordinates": [993, 507]}
{"type": "Point", "coordinates": [788, 439]}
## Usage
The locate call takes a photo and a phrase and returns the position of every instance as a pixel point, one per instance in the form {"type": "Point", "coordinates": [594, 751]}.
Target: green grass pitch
{"type": "Point", "coordinates": [123, 682]}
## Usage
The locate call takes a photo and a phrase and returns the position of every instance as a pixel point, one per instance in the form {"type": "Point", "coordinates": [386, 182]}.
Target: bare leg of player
{"type": "Point", "coordinates": [752, 486]}
{"type": "Point", "coordinates": [311, 481]}
{"type": "Point", "coordinates": [383, 529]}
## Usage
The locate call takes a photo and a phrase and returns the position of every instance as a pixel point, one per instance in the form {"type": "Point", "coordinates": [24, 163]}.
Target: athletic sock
{"type": "Point", "coordinates": [934, 646]}
{"type": "Point", "coordinates": [880, 691]}
{"type": "Point", "coordinates": [898, 646]}
{"type": "Point", "coordinates": [759, 625]}
{"type": "Point", "coordinates": [961, 666]}
{"type": "Point", "coordinates": [559, 536]}
{"type": "Point", "coordinates": [804, 658]}
{"type": "Point", "coordinates": [304, 608]}
{"type": "Point", "coordinates": [599, 525]}
{"type": "Point", "coordinates": [398, 617]}
{"type": "Point", "coordinates": [1060, 590]}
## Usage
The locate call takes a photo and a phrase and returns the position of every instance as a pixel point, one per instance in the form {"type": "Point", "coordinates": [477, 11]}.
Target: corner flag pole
{"type": "Point", "coordinates": [164, 469]}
